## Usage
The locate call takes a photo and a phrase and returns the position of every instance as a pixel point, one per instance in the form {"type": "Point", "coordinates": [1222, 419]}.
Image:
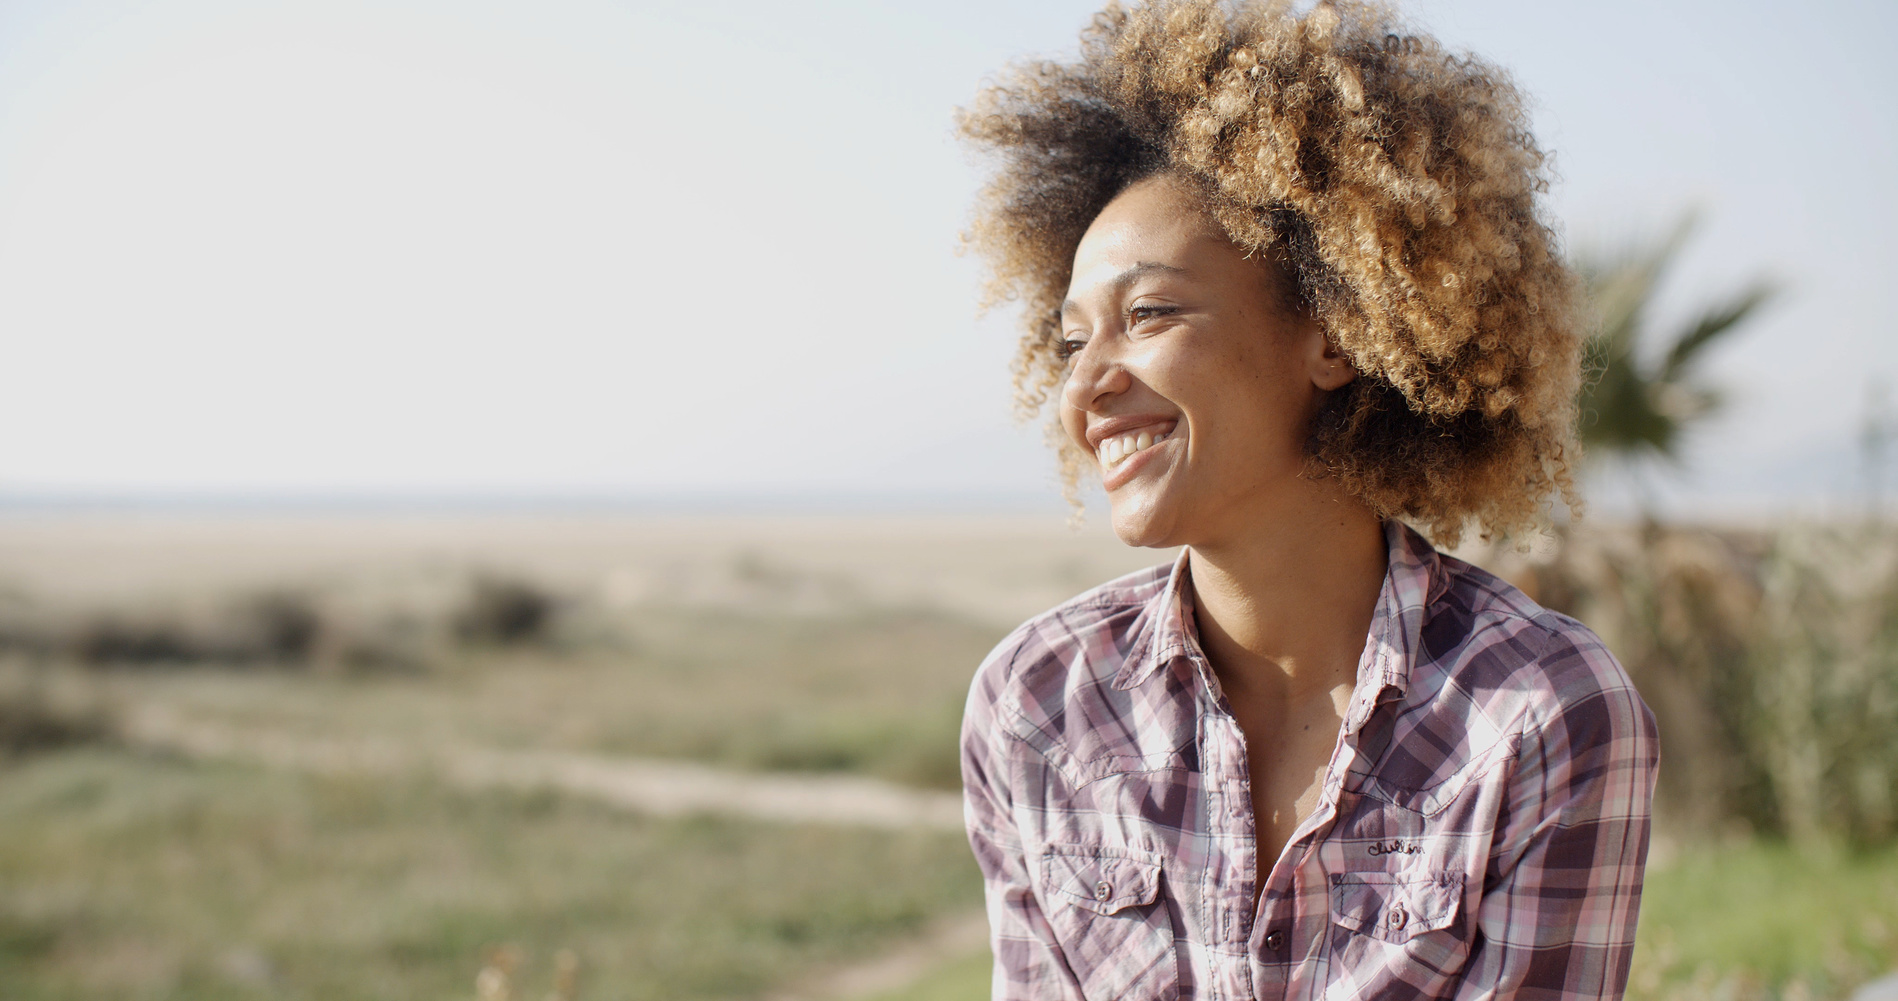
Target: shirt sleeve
{"type": "Point", "coordinates": [1562, 887]}
{"type": "Point", "coordinates": [1029, 965]}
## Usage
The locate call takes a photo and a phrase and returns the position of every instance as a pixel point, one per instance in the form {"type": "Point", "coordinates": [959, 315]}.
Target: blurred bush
{"type": "Point", "coordinates": [1770, 659]}
{"type": "Point", "coordinates": [33, 719]}
{"type": "Point", "coordinates": [504, 610]}
{"type": "Point", "coordinates": [349, 629]}
{"type": "Point", "coordinates": [276, 627]}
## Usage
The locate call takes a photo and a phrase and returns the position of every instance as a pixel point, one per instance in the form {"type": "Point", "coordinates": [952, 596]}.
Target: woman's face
{"type": "Point", "coordinates": [1189, 382]}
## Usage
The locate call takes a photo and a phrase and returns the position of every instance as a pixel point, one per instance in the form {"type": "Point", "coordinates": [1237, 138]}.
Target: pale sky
{"type": "Point", "coordinates": [571, 248]}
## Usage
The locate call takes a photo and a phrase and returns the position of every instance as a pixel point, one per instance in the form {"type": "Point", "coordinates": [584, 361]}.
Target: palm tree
{"type": "Point", "coordinates": [1640, 399]}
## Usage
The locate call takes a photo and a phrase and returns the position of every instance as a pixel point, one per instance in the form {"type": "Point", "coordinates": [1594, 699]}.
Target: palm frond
{"type": "Point", "coordinates": [1621, 286]}
{"type": "Point", "coordinates": [1713, 322]}
{"type": "Point", "coordinates": [1635, 409]}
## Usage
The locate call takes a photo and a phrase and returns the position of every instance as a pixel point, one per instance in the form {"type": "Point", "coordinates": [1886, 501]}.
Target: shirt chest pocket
{"type": "Point", "coordinates": [1108, 916]}
{"type": "Point", "coordinates": [1395, 907]}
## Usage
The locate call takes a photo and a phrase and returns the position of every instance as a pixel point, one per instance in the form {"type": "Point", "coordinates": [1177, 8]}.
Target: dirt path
{"type": "Point", "coordinates": [660, 788]}
{"type": "Point", "coordinates": [945, 940]}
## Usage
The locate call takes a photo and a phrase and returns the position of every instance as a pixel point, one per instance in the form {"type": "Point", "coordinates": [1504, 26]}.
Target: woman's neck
{"type": "Point", "coordinates": [1284, 604]}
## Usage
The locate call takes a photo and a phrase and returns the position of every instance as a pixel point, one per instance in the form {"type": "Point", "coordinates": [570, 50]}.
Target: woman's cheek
{"type": "Point", "coordinates": [1074, 425]}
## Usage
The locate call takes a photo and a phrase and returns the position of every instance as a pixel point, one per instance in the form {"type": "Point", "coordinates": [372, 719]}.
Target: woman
{"type": "Point", "coordinates": [1288, 285]}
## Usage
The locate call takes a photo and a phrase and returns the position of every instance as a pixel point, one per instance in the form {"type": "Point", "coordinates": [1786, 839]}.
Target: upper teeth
{"type": "Point", "coordinates": [1113, 450]}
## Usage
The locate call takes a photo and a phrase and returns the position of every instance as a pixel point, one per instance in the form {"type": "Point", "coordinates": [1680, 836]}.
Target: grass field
{"type": "Point", "coordinates": [1763, 920]}
{"type": "Point", "coordinates": [134, 877]}
{"type": "Point", "coordinates": [877, 692]}
{"type": "Point", "coordinates": [129, 875]}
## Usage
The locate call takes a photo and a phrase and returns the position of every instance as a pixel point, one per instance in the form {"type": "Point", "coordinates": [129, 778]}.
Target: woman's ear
{"type": "Point", "coordinates": [1330, 368]}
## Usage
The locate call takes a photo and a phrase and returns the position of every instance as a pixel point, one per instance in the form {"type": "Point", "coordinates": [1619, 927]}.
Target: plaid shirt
{"type": "Point", "coordinates": [1481, 831]}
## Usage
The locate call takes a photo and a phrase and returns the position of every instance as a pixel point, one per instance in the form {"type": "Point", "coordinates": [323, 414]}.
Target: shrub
{"type": "Point", "coordinates": [1770, 660]}
{"type": "Point", "coordinates": [505, 610]}
{"type": "Point", "coordinates": [30, 722]}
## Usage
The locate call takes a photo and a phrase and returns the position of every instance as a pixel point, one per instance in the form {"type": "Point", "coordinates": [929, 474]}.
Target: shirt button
{"type": "Point", "coordinates": [1275, 940]}
{"type": "Point", "coordinates": [1396, 918]}
{"type": "Point", "coordinates": [1103, 890]}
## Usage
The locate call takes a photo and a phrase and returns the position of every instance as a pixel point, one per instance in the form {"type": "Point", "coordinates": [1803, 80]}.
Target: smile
{"type": "Point", "coordinates": [1114, 451]}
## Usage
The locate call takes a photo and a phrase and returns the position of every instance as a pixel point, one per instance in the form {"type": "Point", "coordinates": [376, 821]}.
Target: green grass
{"type": "Point", "coordinates": [1763, 920]}
{"type": "Point", "coordinates": [139, 878]}
{"type": "Point", "coordinates": [964, 978]}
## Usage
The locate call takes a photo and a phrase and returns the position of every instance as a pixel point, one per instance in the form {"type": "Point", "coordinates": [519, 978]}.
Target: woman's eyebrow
{"type": "Point", "coordinates": [1128, 277]}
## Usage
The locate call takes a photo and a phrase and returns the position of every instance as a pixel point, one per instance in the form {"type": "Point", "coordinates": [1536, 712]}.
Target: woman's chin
{"type": "Point", "coordinates": [1140, 523]}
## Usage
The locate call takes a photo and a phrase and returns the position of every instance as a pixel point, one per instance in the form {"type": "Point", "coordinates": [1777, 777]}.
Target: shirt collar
{"type": "Point", "coordinates": [1413, 580]}
{"type": "Point", "coordinates": [1171, 630]}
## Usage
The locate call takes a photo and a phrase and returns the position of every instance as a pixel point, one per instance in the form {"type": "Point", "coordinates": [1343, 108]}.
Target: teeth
{"type": "Point", "coordinates": [1113, 450]}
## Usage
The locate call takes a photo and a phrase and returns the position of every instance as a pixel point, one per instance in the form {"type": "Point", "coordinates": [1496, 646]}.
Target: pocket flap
{"type": "Point", "coordinates": [1103, 880]}
{"type": "Point", "coordinates": [1393, 906]}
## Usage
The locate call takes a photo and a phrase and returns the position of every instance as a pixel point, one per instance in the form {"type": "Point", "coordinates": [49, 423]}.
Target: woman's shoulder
{"type": "Point", "coordinates": [1086, 621]}
{"type": "Point", "coordinates": [1081, 643]}
{"type": "Point", "coordinates": [1063, 687]}
{"type": "Point", "coordinates": [1487, 636]}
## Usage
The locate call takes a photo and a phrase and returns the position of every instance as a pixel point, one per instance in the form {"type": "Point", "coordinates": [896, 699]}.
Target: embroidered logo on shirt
{"type": "Point", "coordinates": [1394, 848]}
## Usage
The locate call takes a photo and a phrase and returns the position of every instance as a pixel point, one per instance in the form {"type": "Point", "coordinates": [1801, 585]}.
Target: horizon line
{"type": "Point", "coordinates": [746, 502]}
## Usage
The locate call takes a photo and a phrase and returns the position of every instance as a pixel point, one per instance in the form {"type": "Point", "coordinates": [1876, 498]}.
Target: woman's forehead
{"type": "Point", "coordinates": [1150, 231]}
{"type": "Point", "coordinates": [1161, 202]}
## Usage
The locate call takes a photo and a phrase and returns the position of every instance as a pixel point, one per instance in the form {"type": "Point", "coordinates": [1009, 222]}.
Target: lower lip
{"type": "Point", "coordinates": [1127, 469]}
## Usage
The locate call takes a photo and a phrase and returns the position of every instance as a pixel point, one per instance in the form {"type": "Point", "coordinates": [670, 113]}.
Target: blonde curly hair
{"type": "Point", "coordinates": [1394, 183]}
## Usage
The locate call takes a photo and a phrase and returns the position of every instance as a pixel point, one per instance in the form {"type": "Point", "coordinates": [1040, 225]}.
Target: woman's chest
{"type": "Point", "coordinates": [1288, 752]}
{"type": "Point", "coordinates": [1162, 863]}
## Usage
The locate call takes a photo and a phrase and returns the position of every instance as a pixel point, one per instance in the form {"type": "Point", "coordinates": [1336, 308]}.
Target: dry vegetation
{"type": "Point", "coordinates": [1770, 658]}
{"type": "Point", "coordinates": [136, 877]}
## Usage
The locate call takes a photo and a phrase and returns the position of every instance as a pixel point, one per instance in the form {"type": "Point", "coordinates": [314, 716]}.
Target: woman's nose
{"type": "Point", "coordinates": [1096, 376]}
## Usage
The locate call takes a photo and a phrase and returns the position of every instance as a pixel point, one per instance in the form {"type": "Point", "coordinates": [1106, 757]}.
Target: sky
{"type": "Point", "coordinates": [282, 249]}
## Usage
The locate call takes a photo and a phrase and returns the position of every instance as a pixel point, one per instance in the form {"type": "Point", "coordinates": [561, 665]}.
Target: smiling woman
{"type": "Point", "coordinates": [1287, 282]}
{"type": "Point", "coordinates": [1191, 376]}
{"type": "Point", "coordinates": [1395, 184]}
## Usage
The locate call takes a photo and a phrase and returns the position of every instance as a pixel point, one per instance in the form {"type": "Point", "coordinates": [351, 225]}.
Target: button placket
{"type": "Point", "coordinates": [1225, 761]}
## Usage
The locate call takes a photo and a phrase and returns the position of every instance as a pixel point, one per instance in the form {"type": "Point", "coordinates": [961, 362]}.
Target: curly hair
{"type": "Point", "coordinates": [1394, 182]}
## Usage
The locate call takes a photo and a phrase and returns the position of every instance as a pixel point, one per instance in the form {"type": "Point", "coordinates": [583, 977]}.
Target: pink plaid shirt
{"type": "Point", "coordinates": [1481, 831]}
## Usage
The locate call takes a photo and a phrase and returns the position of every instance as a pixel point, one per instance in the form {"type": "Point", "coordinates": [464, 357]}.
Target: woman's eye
{"type": "Point", "coordinates": [1140, 314]}
{"type": "Point", "coordinates": [1070, 347]}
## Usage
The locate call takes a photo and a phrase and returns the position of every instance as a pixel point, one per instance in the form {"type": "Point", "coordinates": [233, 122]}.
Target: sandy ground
{"type": "Point", "coordinates": [997, 569]}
